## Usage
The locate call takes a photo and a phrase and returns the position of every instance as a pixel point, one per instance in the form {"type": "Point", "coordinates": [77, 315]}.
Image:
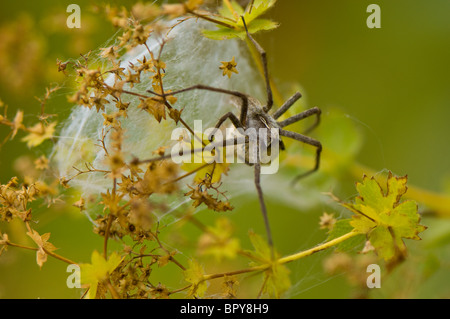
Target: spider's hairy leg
{"type": "Point", "coordinates": [242, 96]}
{"type": "Point", "coordinates": [263, 206]}
{"type": "Point", "coordinates": [307, 140]}
{"type": "Point", "coordinates": [223, 143]}
{"type": "Point", "coordinates": [263, 55]}
{"type": "Point", "coordinates": [300, 116]}
{"type": "Point", "coordinates": [294, 98]}
{"type": "Point", "coordinates": [233, 118]}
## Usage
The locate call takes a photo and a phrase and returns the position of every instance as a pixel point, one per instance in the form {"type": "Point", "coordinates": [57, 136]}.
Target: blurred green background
{"type": "Point", "coordinates": [392, 82]}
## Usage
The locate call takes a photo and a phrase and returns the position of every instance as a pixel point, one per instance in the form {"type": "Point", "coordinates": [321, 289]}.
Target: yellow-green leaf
{"type": "Point", "coordinates": [383, 218]}
{"type": "Point", "coordinates": [276, 278]}
{"type": "Point", "coordinates": [231, 10]}
{"type": "Point", "coordinates": [217, 241]}
{"type": "Point", "coordinates": [342, 227]}
{"type": "Point", "coordinates": [223, 33]}
{"type": "Point", "coordinates": [98, 270]}
{"type": "Point", "coordinates": [230, 14]}
{"type": "Point", "coordinates": [39, 133]}
{"type": "Point", "coordinates": [262, 253]}
{"type": "Point", "coordinates": [194, 275]}
{"type": "Point", "coordinates": [258, 9]}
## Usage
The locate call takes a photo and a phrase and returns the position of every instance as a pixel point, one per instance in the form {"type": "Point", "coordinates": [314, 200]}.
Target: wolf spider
{"type": "Point", "coordinates": [254, 115]}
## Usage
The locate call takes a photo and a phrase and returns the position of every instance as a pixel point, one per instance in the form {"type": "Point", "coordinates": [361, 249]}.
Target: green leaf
{"type": "Point", "coordinates": [276, 278]}
{"type": "Point", "coordinates": [262, 252]}
{"type": "Point", "coordinates": [342, 227]}
{"type": "Point", "coordinates": [39, 133]}
{"type": "Point", "coordinates": [259, 8]}
{"type": "Point", "coordinates": [262, 25]}
{"type": "Point", "coordinates": [223, 34]}
{"type": "Point", "coordinates": [386, 246]}
{"type": "Point", "coordinates": [371, 193]}
{"type": "Point", "coordinates": [194, 274]}
{"type": "Point", "coordinates": [235, 12]}
{"type": "Point", "coordinates": [231, 12]}
{"type": "Point", "coordinates": [383, 218]}
{"type": "Point", "coordinates": [218, 241]}
{"type": "Point", "coordinates": [98, 270]}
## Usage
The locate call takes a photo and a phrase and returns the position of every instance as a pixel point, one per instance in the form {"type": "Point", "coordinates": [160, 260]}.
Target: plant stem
{"type": "Point", "coordinates": [45, 250]}
{"type": "Point", "coordinates": [179, 290]}
{"type": "Point", "coordinates": [111, 289]}
{"type": "Point", "coordinates": [171, 258]}
{"type": "Point", "coordinates": [318, 248]}
{"type": "Point", "coordinates": [68, 261]}
{"type": "Point", "coordinates": [109, 223]}
{"type": "Point", "coordinates": [207, 18]}
{"type": "Point", "coordinates": [286, 259]}
{"type": "Point", "coordinates": [105, 240]}
{"type": "Point", "coordinates": [20, 246]}
{"type": "Point", "coordinates": [237, 272]}
{"type": "Point", "coordinates": [59, 257]}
